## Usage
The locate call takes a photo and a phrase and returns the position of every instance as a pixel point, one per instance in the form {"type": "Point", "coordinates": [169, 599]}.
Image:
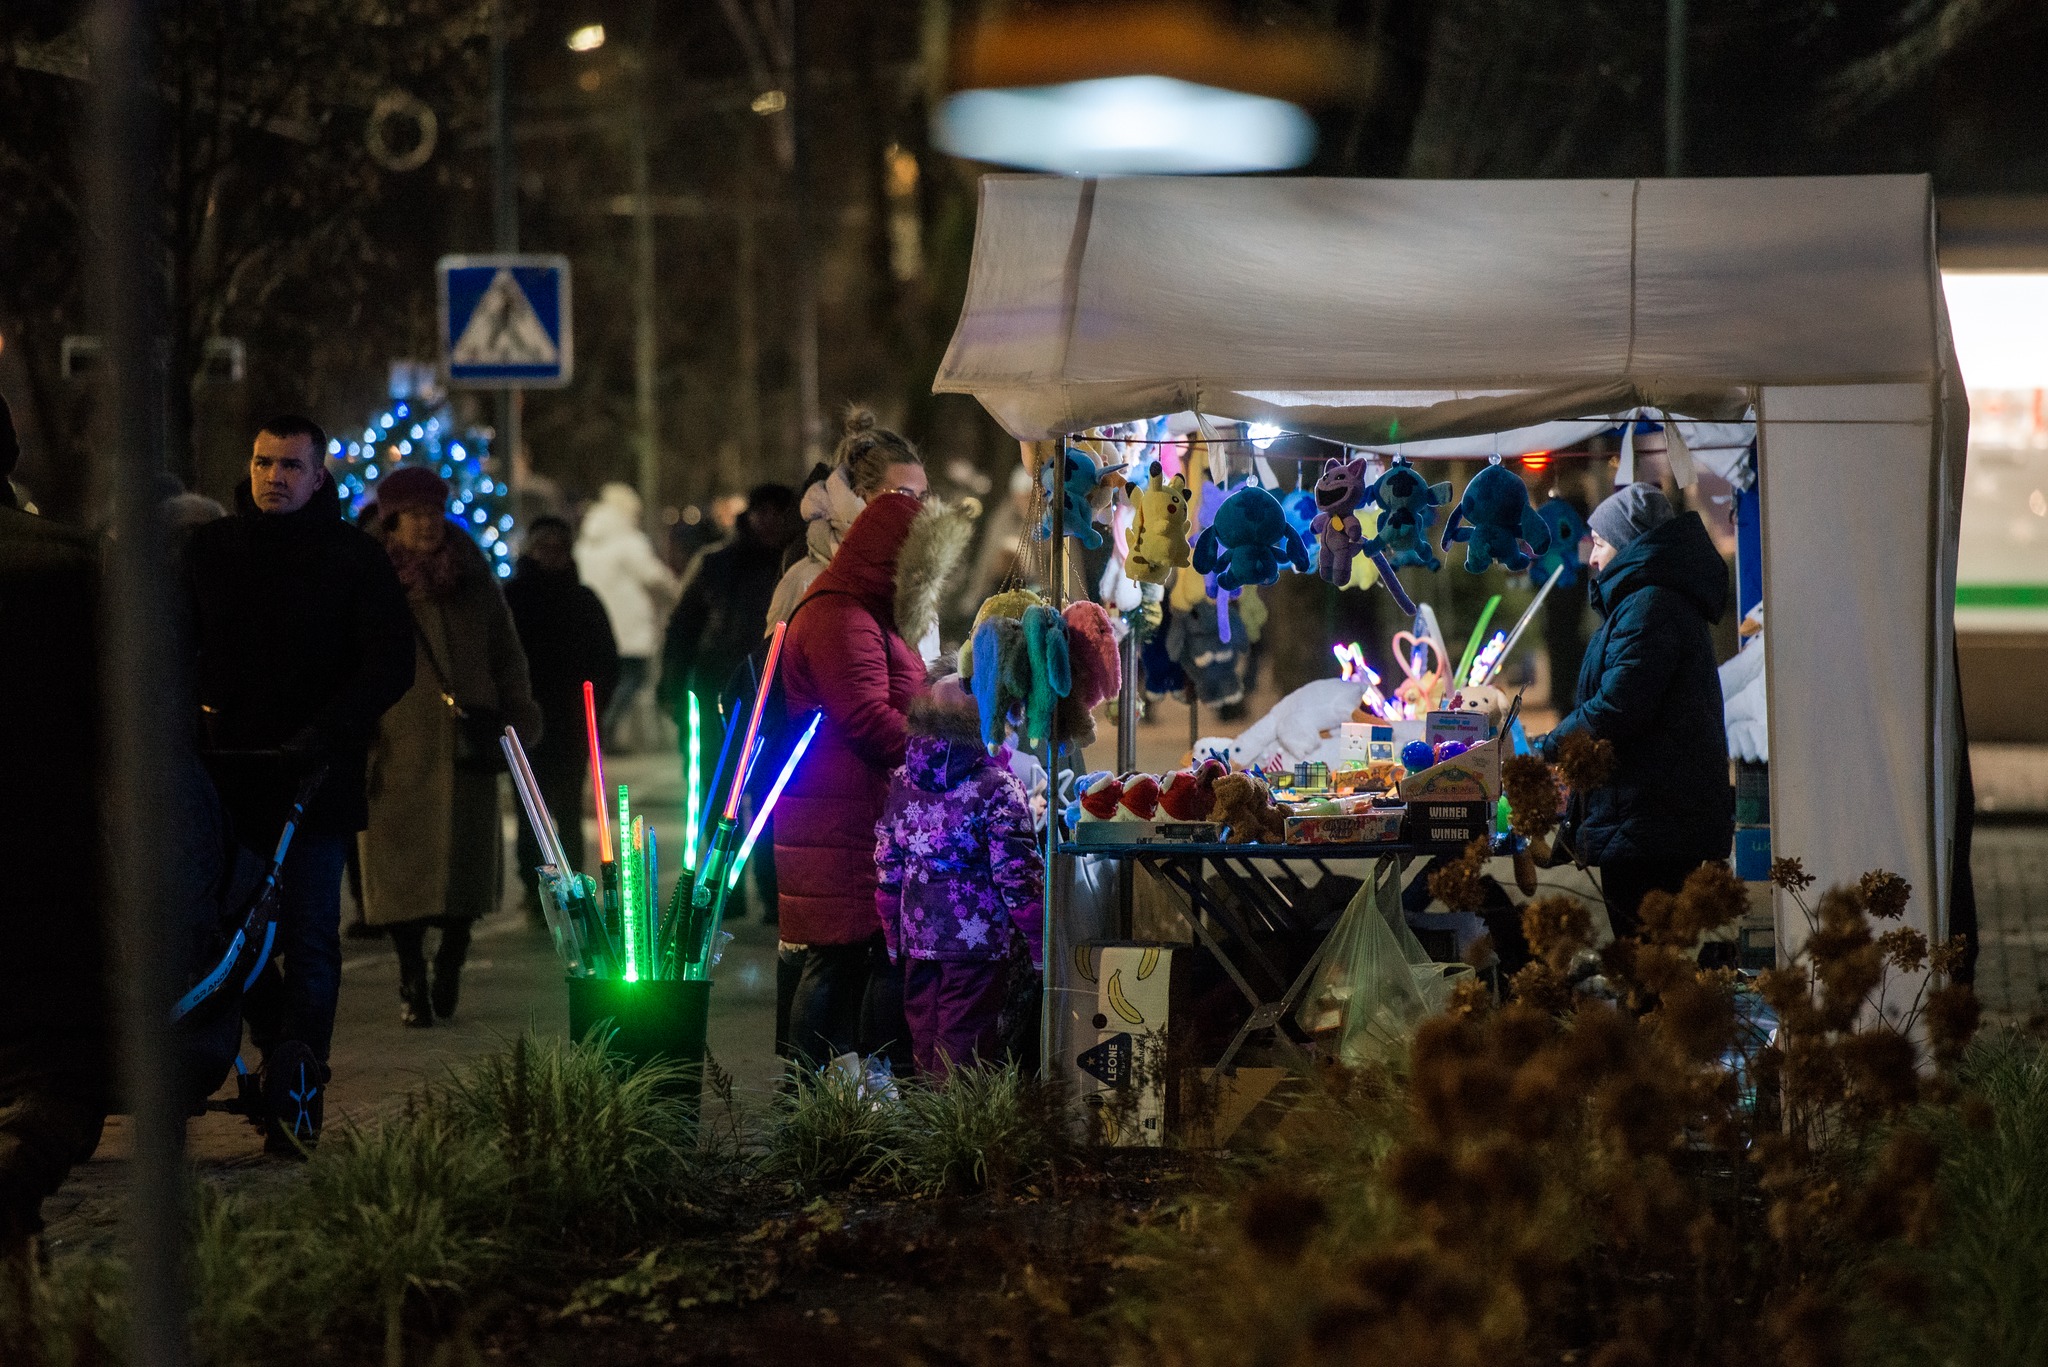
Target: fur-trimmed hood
{"type": "Point", "coordinates": [932, 552]}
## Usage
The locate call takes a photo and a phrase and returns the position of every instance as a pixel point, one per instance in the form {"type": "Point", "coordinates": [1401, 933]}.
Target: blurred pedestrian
{"type": "Point", "coordinates": [433, 856]}
{"type": "Point", "coordinates": [302, 640]}
{"type": "Point", "coordinates": [846, 653]}
{"type": "Point", "coordinates": [871, 460]}
{"type": "Point", "coordinates": [55, 1065]}
{"type": "Point", "coordinates": [567, 639]}
{"type": "Point", "coordinates": [618, 562]}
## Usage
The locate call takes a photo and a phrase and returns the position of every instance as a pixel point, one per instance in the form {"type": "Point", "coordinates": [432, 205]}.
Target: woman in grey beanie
{"type": "Point", "coordinates": [1649, 685]}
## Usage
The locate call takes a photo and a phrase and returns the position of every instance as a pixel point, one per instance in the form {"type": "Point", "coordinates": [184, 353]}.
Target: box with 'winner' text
{"type": "Point", "coordinates": [1449, 825]}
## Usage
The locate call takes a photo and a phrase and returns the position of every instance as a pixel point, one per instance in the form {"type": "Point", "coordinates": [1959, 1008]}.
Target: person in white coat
{"type": "Point", "coordinates": [617, 561]}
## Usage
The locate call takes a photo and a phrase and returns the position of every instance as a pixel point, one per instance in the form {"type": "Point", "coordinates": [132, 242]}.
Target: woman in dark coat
{"type": "Point", "coordinates": [848, 651]}
{"type": "Point", "coordinates": [433, 854]}
{"type": "Point", "coordinates": [1649, 685]}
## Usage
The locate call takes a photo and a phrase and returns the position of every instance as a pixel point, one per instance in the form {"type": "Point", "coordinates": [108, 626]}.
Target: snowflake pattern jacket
{"type": "Point", "coordinates": [960, 870]}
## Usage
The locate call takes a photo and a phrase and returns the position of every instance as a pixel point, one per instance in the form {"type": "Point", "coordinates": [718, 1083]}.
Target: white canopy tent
{"type": "Point", "coordinates": [1385, 312]}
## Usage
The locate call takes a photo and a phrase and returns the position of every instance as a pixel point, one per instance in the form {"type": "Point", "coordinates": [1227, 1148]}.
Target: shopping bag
{"type": "Point", "coordinates": [1375, 983]}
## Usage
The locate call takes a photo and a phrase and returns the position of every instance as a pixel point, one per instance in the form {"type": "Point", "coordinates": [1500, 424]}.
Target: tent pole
{"type": "Point", "coordinates": [1056, 571]}
{"type": "Point", "coordinates": [1674, 87]}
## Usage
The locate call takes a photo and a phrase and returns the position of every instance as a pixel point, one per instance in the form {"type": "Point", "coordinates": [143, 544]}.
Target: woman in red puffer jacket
{"type": "Point", "coordinates": [848, 651]}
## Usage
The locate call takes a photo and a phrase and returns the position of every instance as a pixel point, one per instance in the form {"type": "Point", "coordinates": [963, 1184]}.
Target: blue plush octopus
{"type": "Point", "coordinates": [1495, 520]}
{"type": "Point", "coordinates": [1249, 541]}
{"type": "Point", "coordinates": [1567, 529]}
{"type": "Point", "coordinates": [1077, 514]}
{"type": "Point", "coordinates": [1407, 504]}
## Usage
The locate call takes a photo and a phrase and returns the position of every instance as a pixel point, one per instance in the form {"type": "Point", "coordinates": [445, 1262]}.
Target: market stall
{"type": "Point", "coordinates": [1479, 319]}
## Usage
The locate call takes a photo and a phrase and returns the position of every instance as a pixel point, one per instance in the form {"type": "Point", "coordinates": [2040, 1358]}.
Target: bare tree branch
{"type": "Point", "coordinates": [1874, 81]}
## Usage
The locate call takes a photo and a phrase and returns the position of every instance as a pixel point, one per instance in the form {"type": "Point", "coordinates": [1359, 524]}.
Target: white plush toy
{"type": "Point", "coordinates": [1742, 693]}
{"type": "Point", "coordinates": [1304, 726]}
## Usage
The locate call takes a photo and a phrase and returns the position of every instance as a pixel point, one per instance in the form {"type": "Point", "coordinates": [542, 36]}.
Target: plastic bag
{"type": "Point", "coordinates": [1375, 983]}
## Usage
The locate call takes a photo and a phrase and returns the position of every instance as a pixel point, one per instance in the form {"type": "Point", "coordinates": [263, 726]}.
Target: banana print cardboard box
{"type": "Point", "coordinates": [1122, 999]}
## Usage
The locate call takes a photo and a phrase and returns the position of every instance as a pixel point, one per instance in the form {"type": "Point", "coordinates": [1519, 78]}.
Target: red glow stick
{"type": "Point", "coordinates": [739, 778]}
{"type": "Point", "coordinates": [604, 831]}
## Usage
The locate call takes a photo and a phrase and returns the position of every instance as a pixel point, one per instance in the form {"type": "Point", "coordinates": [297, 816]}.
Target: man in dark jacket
{"type": "Point", "coordinates": [568, 639]}
{"type": "Point", "coordinates": [303, 640]}
{"type": "Point", "coordinates": [718, 622]}
{"type": "Point", "coordinates": [1649, 685]}
{"type": "Point", "coordinates": [55, 1069]}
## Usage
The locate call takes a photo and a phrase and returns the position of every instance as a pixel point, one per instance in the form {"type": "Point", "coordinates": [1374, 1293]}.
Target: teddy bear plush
{"type": "Point", "coordinates": [1407, 504]}
{"type": "Point", "coordinates": [1159, 528]}
{"type": "Point", "coordinates": [1339, 536]}
{"type": "Point", "coordinates": [1495, 520]}
{"type": "Point", "coordinates": [1249, 541]}
{"type": "Point", "coordinates": [1245, 805]}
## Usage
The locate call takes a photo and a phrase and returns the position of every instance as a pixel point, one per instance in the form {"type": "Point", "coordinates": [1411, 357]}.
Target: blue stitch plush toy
{"type": "Point", "coordinates": [1339, 537]}
{"type": "Point", "coordinates": [1567, 530]}
{"type": "Point", "coordinates": [1496, 507]}
{"type": "Point", "coordinates": [1077, 516]}
{"type": "Point", "coordinates": [1408, 505]}
{"type": "Point", "coordinates": [1249, 541]}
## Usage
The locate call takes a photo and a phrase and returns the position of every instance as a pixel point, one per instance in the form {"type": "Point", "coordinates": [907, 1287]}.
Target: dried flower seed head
{"type": "Point", "coordinates": [1532, 794]}
{"type": "Point", "coordinates": [1811, 1330]}
{"type": "Point", "coordinates": [1951, 1016]}
{"type": "Point", "coordinates": [1904, 949]}
{"type": "Point", "coordinates": [1947, 958]}
{"type": "Point", "coordinates": [1713, 897]}
{"type": "Point", "coordinates": [1791, 875]}
{"type": "Point", "coordinates": [1518, 1031]}
{"type": "Point", "coordinates": [1846, 982]}
{"type": "Point", "coordinates": [1658, 969]}
{"type": "Point", "coordinates": [1479, 954]}
{"type": "Point", "coordinates": [1471, 999]}
{"type": "Point", "coordinates": [1419, 1172]}
{"type": "Point", "coordinates": [1540, 987]}
{"type": "Point", "coordinates": [1280, 1218]}
{"type": "Point", "coordinates": [1585, 763]}
{"type": "Point", "coordinates": [1696, 1018]}
{"type": "Point", "coordinates": [1879, 1067]}
{"type": "Point", "coordinates": [1884, 894]}
{"type": "Point", "coordinates": [1557, 928]}
{"type": "Point", "coordinates": [1460, 883]}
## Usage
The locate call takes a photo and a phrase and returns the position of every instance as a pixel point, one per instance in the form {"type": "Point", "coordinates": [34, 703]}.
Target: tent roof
{"type": "Point", "coordinates": [1383, 310]}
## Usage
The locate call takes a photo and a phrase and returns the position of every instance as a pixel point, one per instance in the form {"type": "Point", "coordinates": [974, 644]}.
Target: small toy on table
{"type": "Point", "coordinates": [1245, 805]}
{"type": "Point", "coordinates": [1417, 755]}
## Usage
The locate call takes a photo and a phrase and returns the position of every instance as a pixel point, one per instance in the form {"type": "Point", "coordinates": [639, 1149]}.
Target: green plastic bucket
{"type": "Point", "coordinates": [647, 1020]}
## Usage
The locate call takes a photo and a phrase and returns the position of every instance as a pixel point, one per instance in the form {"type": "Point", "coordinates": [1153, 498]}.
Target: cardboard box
{"type": "Point", "coordinates": [1449, 825]}
{"type": "Point", "coordinates": [1474, 774]}
{"type": "Point", "coordinates": [1469, 727]}
{"type": "Point", "coordinates": [1118, 1034]}
{"type": "Point", "coordinates": [1381, 825]}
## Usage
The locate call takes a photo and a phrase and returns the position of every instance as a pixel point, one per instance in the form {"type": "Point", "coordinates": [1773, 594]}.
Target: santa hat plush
{"type": "Point", "coordinates": [1099, 802]}
{"type": "Point", "coordinates": [1184, 798]}
{"type": "Point", "coordinates": [1141, 797]}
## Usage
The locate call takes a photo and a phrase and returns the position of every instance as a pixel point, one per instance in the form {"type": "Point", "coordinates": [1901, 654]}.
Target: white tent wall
{"type": "Point", "coordinates": [1862, 774]}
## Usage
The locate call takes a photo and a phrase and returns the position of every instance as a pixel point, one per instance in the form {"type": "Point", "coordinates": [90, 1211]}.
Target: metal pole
{"type": "Point", "coordinates": [1056, 571]}
{"type": "Point", "coordinates": [1674, 88]}
{"type": "Point", "coordinates": [812, 431]}
{"type": "Point", "coordinates": [643, 302]}
{"type": "Point", "coordinates": [504, 213]}
{"type": "Point", "coordinates": [140, 700]}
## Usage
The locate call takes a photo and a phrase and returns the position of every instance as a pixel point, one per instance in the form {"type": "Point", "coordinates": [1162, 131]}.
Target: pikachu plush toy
{"type": "Point", "coordinates": [1159, 531]}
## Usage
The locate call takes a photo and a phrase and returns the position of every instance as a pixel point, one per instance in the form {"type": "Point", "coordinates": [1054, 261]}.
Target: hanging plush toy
{"type": "Point", "coordinates": [1300, 507]}
{"type": "Point", "coordinates": [1159, 528]}
{"type": "Point", "coordinates": [1249, 541]}
{"type": "Point", "coordinates": [1496, 505]}
{"type": "Point", "coordinates": [1002, 674]}
{"type": "Point", "coordinates": [1567, 530]}
{"type": "Point", "coordinates": [1051, 670]}
{"type": "Point", "coordinates": [1010, 603]}
{"type": "Point", "coordinates": [1407, 504]}
{"type": "Point", "coordinates": [1086, 481]}
{"type": "Point", "coordinates": [1097, 666]}
{"type": "Point", "coordinates": [1339, 536]}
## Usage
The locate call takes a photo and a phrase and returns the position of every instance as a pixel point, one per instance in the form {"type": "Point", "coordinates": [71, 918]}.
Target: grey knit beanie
{"type": "Point", "coordinates": [1630, 512]}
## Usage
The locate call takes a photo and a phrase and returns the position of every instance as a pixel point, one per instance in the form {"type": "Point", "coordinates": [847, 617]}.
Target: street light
{"type": "Point", "coordinates": [589, 38]}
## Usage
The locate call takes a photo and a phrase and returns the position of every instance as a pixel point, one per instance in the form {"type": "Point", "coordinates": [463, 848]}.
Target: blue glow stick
{"type": "Point", "coordinates": [724, 751]}
{"type": "Point", "coordinates": [803, 743]}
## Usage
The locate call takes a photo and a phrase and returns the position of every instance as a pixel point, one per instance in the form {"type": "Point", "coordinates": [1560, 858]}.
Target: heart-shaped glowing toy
{"type": "Point", "coordinates": [1423, 687]}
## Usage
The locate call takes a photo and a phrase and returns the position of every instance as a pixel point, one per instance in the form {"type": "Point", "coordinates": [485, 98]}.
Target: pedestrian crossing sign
{"type": "Point", "coordinates": [505, 320]}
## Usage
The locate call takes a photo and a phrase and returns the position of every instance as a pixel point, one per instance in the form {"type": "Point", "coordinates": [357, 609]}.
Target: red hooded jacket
{"type": "Point", "coordinates": [843, 654]}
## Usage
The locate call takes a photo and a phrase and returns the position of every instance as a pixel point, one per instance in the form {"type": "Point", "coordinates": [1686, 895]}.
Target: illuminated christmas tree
{"type": "Point", "coordinates": [411, 432]}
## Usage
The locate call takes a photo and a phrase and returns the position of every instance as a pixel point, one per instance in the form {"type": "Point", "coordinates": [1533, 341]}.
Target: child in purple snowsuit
{"type": "Point", "coordinates": [961, 882]}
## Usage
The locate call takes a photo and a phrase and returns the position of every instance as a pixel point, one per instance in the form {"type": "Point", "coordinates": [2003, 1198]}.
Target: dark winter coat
{"type": "Point", "coordinates": [434, 846]}
{"type": "Point", "coordinates": [52, 957]}
{"type": "Point", "coordinates": [843, 653]}
{"type": "Point", "coordinates": [1649, 685]}
{"type": "Point", "coordinates": [961, 875]}
{"type": "Point", "coordinates": [303, 641]}
{"type": "Point", "coordinates": [718, 622]}
{"type": "Point", "coordinates": [567, 639]}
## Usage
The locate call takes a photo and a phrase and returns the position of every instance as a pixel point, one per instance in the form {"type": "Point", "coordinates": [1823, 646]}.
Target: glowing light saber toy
{"type": "Point", "coordinates": [1464, 668]}
{"type": "Point", "coordinates": [1489, 656]}
{"type": "Point", "coordinates": [803, 743]}
{"type": "Point", "coordinates": [604, 835]}
{"type": "Point", "coordinates": [692, 776]}
{"type": "Point", "coordinates": [1528, 616]}
{"type": "Point", "coordinates": [732, 726]}
{"type": "Point", "coordinates": [739, 780]}
{"type": "Point", "coordinates": [632, 854]}
{"type": "Point", "coordinates": [651, 885]}
{"type": "Point", "coordinates": [538, 817]}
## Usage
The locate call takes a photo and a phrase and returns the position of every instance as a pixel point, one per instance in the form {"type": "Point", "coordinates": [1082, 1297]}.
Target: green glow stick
{"type": "Point", "coordinates": [692, 775]}
{"type": "Point", "coordinates": [631, 871]}
{"type": "Point", "coordinates": [1464, 668]}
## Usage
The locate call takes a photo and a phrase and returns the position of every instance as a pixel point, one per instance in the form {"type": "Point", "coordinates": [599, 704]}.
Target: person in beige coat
{"type": "Point", "coordinates": [433, 854]}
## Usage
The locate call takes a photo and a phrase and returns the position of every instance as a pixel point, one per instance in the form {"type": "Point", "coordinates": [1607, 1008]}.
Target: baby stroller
{"type": "Point", "coordinates": [226, 898]}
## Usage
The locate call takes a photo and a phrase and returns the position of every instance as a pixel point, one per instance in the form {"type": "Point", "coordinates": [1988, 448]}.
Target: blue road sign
{"type": "Point", "coordinates": [505, 320]}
